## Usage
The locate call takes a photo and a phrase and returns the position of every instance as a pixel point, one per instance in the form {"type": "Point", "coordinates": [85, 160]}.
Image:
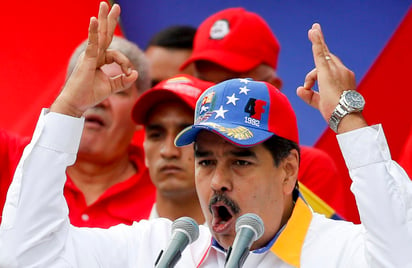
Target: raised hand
{"type": "Point", "coordinates": [332, 77]}
{"type": "Point", "coordinates": [88, 85]}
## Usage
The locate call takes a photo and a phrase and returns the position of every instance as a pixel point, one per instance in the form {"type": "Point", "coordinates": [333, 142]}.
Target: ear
{"type": "Point", "coordinates": [291, 168]}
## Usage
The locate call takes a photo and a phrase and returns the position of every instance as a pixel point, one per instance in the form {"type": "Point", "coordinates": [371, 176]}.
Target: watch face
{"type": "Point", "coordinates": [354, 99]}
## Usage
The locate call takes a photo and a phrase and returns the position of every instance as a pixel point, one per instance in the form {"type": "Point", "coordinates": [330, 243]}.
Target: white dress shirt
{"type": "Point", "coordinates": [36, 232]}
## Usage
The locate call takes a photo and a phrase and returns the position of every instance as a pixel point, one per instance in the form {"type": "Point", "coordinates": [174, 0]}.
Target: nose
{"type": "Point", "coordinates": [222, 179]}
{"type": "Point", "coordinates": [168, 149]}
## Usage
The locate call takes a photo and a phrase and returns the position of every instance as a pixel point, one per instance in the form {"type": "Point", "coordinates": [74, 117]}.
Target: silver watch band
{"type": "Point", "coordinates": [350, 101]}
{"type": "Point", "coordinates": [337, 116]}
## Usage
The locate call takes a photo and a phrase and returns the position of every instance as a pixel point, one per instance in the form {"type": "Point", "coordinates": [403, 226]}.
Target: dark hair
{"type": "Point", "coordinates": [176, 36]}
{"type": "Point", "coordinates": [280, 148]}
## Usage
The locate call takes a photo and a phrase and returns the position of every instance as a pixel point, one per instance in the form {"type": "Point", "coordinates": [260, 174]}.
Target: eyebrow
{"type": "Point", "coordinates": [236, 153]}
{"type": "Point", "coordinates": [153, 127]}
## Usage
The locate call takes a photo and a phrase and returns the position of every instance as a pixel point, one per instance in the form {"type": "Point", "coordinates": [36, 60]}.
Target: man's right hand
{"type": "Point", "coordinates": [88, 84]}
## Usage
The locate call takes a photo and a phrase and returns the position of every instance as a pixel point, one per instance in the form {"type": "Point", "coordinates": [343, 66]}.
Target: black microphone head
{"type": "Point", "coordinates": [188, 226]}
{"type": "Point", "coordinates": [252, 221]}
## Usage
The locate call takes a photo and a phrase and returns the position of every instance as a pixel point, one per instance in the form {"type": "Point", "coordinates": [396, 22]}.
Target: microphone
{"type": "Point", "coordinates": [249, 228]}
{"type": "Point", "coordinates": [185, 230]}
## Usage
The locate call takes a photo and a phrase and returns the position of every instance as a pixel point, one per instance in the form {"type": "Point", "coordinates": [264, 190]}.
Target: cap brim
{"type": "Point", "coordinates": [226, 59]}
{"type": "Point", "coordinates": [235, 134]}
{"type": "Point", "coordinates": [147, 101]}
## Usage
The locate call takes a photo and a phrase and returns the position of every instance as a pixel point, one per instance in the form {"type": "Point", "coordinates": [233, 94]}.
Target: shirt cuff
{"type": "Point", "coordinates": [60, 132]}
{"type": "Point", "coordinates": [364, 146]}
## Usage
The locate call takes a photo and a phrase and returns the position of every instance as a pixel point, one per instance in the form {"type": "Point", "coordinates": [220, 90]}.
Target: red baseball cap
{"type": "Point", "coordinates": [236, 39]}
{"type": "Point", "coordinates": [181, 87]}
{"type": "Point", "coordinates": [244, 112]}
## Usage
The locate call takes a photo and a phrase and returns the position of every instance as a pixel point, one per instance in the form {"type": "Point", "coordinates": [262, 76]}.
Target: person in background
{"type": "Point", "coordinates": [235, 42]}
{"type": "Point", "coordinates": [109, 183]}
{"type": "Point", "coordinates": [242, 166]}
{"type": "Point", "coordinates": [168, 49]}
{"type": "Point", "coordinates": [164, 111]}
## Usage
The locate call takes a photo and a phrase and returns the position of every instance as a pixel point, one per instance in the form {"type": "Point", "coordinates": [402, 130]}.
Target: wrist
{"type": "Point", "coordinates": [351, 122]}
{"type": "Point", "coordinates": [60, 105]}
{"type": "Point", "coordinates": [351, 102]}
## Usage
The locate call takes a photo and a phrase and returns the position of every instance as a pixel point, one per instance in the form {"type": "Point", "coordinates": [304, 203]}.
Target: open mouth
{"type": "Point", "coordinates": [222, 216]}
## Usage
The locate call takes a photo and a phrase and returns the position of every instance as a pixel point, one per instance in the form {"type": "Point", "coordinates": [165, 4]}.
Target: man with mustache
{"type": "Point", "coordinates": [246, 151]}
{"type": "Point", "coordinates": [237, 43]}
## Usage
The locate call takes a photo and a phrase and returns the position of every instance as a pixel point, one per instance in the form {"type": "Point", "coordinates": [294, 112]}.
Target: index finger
{"type": "Point", "coordinates": [320, 51]}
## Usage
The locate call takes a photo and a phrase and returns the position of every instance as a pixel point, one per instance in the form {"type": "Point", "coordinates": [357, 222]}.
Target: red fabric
{"type": "Point", "coordinates": [11, 149]}
{"type": "Point", "coordinates": [387, 91]}
{"type": "Point", "coordinates": [124, 202]}
{"type": "Point", "coordinates": [405, 158]}
{"type": "Point", "coordinates": [318, 172]}
{"type": "Point", "coordinates": [236, 39]}
{"type": "Point", "coordinates": [38, 38]}
{"type": "Point", "coordinates": [183, 87]}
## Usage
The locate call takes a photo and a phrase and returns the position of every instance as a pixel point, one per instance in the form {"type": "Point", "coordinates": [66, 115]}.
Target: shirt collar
{"type": "Point", "coordinates": [287, 244]}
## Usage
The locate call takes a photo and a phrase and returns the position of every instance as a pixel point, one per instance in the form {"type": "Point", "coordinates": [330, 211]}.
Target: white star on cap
{"type": "Point", "coordinates": [244, 80]}
{"type": "Point", "coordinates": [220, 112]}
{"type": "Point", "coordinates": [203, 109]}
{"type": "Point", "coordinates": [244, 90]}
{"type": "Point", "coordinates": [232, 99]}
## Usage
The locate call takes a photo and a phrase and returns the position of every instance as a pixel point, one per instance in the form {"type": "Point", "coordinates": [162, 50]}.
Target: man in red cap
{"type": "Point", "coordinates": [235, 42]}
{"type": "Point", "coordinates": [164, 111]}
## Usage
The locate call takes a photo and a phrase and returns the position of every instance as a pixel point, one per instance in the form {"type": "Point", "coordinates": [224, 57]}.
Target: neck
{"type": "Point", "coordinates": [174, 208]}
{"type": "Point", "coordinates": [94, 178]}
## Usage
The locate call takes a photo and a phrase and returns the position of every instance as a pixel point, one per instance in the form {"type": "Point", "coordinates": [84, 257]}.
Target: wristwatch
{"type": "Point", "coordinates": [350, 101]}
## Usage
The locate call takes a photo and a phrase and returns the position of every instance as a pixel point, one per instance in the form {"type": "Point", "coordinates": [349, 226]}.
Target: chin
{"type": "Point", "coordinates": [224, 241]}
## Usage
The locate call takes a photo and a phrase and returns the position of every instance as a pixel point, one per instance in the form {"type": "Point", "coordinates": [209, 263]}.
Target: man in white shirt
{"type": "Point", "coordinates": [246, 161]}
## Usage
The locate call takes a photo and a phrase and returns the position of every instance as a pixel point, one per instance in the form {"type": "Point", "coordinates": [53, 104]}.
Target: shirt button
{"type": "Point", "coordinates": [85, 217]}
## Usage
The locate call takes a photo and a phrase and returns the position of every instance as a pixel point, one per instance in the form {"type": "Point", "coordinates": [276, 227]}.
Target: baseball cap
{"type": "Point", "coordinates": [236, 39]}
{"type": "Point", "coordinates": [181, 87]}
{"type": "Point", "coordinates": [244, 112]}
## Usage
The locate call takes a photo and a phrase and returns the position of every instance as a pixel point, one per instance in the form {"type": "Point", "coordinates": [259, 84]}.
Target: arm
{"type": "Point", "coordinates": [35, 230]}
{"type": "Point", "coordinates": [383, 193]}
{"type": "Point", "coordinates": [382, 189]}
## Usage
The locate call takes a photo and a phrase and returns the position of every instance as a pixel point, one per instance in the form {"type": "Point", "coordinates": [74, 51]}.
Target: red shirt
{"type": "Point", "coordinates": [124, 202]}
